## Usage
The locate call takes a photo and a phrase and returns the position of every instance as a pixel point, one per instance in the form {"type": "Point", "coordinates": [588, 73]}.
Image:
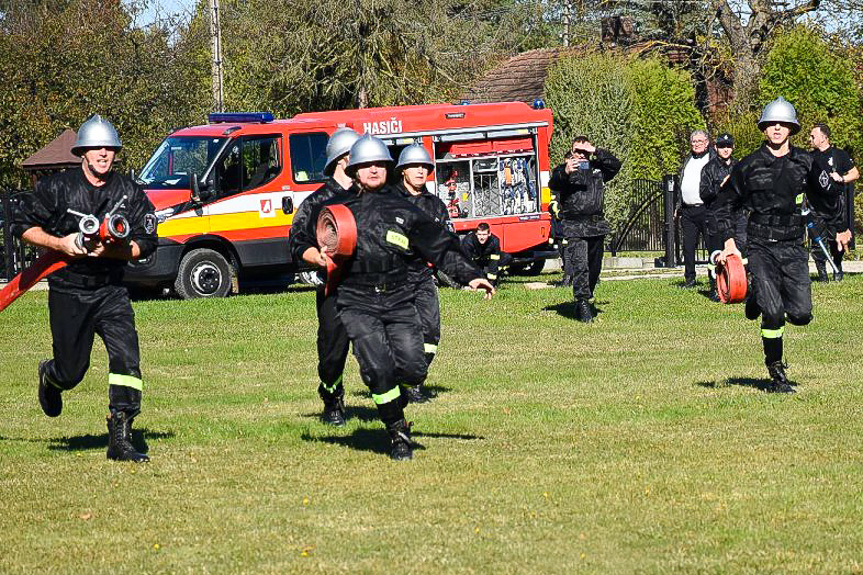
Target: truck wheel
{"type": "Point", "coordinates": [531, 269]}
{"type": "Point", "coordinates": [203, 273]}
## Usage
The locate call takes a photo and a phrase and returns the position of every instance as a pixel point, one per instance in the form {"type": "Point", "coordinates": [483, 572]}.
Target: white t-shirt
{"type": "Point", "coordinates": [691, 184]}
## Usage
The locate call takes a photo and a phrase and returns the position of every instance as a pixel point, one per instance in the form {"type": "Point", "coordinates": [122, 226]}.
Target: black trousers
{"type": "Point", "coordinates": [584, 256]}
{"type": "Point", "coordinates": [781, 284]}
{"type": "Point", "coordinates": [428, 308]}
{"type": "Point", "coordinates": [386, 335]}
{"type": "Point", "coordinates": [693, 221]}
{"type": "Point", "coordinates": [332, 341]}
{"type": "Point", "coordinates": [76, 317]}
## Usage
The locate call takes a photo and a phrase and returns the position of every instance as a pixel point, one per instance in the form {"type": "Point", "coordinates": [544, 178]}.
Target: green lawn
{"type": "Point", "coordinates": [638, 444]}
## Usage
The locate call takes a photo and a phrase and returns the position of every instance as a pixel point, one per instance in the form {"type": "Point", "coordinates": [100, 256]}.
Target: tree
{"type": "Point", "coordinates": [63, 60]}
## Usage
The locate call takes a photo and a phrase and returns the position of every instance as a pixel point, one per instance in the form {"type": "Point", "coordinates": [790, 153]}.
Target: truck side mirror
{"type": "Point", "coordinates": [287, 205]}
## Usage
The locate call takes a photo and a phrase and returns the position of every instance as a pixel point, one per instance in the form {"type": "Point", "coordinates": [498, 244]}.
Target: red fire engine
{"type": "Point", "coordinates": [225, 193]}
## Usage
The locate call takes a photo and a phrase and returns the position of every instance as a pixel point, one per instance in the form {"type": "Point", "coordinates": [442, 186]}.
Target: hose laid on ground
{"type": "Point", "coordinates": [730, 278]}
{"type": "Point", "coordinates": [46, 265]}
{"type": "Point", "coordinates": [337, 238]}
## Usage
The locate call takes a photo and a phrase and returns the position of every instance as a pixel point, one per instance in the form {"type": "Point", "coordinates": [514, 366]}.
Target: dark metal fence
{"type": "Point", "coordinates": [643, 229]}
{"type": "Point", "coordinates": [650, 225]}
{"type": "Point", "coordinates": [15, 255]}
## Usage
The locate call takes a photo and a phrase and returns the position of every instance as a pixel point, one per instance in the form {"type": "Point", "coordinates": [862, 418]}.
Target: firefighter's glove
{"type": "Point", "coordinates": [554, 209]}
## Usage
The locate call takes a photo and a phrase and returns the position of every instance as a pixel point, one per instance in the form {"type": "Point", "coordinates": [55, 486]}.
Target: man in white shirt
{"type": "Point", "coordinates": [691, 210]}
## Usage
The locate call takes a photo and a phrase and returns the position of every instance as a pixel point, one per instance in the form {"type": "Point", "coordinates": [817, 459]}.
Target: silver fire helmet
{"type": "Point", "coordinates": [338, 145]}
{"type": "Point", "coordinates": [415, 155]}
{"type": "Point", "coordinates": [779, 110]}
{"type": "Point", "coordinates": [367, 150]}
{"type": "Point", "coordinates": [97, 132]}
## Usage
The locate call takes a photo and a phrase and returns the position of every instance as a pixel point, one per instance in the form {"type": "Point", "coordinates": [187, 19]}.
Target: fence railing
{"type": "Point", "coordinates": [15, 255]}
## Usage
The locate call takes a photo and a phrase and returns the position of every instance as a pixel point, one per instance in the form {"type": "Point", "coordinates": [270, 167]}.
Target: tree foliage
{"type": "Point", "coordinates": [640, 109]}
{"type": "Point", "coordinates": [63, 60]}
{"type": "Point", "coordinates": [819, 81]}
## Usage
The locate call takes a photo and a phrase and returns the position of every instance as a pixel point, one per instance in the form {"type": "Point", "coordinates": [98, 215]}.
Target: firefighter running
{"type": "Point", "coordinates": [415, 166]}
{"type": "Point", "coordinates": [772, 183]}
{"type": "Point", "coordinates": [332, 340]}
{"type": "Point", "coordinates": [87, 297]}
{"type": "Point", "coordinates": [375, 302]}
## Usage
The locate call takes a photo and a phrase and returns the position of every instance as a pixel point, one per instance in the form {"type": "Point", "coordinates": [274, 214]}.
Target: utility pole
{"type": "Point", "coordinates": [566, 19]}
{"type": "Point", "coordinates": [218, 68]}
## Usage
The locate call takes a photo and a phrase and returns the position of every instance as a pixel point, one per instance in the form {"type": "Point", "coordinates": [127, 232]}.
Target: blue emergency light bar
{"type": "Point", "coordinates": [240, 117]}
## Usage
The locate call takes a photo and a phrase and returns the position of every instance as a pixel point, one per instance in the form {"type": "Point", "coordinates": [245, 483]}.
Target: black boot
{"type": "Point", "coordinates": [778, 379]}
{"type": "Point", "coordinates": [838, 276]}
{"type": "Point", "coordinates": [714, 291]}
{"type": "Point", "coordinates": [334, 406]}
{"type": "Point", "coordinates": [583, 312]}
{"type": "Point", "coordinates": [821, 268]}
{"type": "Point", "coordinates": [402, 447]}
{"type": "Point", "coordinates": [120, 446]}
{"type": "Point", "coordinates": [565, 282]}
{"type": "Point", "coordinates": [50, 397]}
{"type": "Point", "coordinates": [414, 394]}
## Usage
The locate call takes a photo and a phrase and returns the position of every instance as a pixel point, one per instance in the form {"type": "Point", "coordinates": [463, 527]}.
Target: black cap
{"type": "Point", "coordinates": [724, 141]}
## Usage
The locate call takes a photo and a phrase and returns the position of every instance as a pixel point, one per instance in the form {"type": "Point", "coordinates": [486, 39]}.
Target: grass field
{"type": "Point", "coordinates": [639, 444]}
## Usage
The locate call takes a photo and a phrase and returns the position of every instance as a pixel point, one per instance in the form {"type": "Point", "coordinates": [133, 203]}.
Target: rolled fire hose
{"type": "Point", "coordinates": [730, 278]}
{"type": "Point", "coordinates": [337, 239]}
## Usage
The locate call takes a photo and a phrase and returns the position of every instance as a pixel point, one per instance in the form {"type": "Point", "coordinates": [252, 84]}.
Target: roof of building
{"type": "Point", "coordinates": [57, 154]}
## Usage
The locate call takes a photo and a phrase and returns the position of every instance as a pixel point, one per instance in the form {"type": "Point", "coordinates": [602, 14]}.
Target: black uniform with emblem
{"type": "Point", "coordinates": [581, 196]}
{"type": "Point", "coordinates": [376, 300]}
{"type": "Point", "coordinates": [87, 296]}
{"type": "Point", "coordinates": [421, 275]}
{"type": "Point", "coordinates": [488, 256]}
{"type": "Point", "coordinates": [773, 190]}
{"type": "Point", "coordinates": [830, 206]}
{"type": "Point", "coordinates": [332, 341]}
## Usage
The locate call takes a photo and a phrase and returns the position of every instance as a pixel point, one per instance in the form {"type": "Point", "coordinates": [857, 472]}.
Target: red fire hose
{"type": "Point", "coordinates": [46, 265]}
{"type": "Point", "coordinates": [337, 239]}
{"type": "Point", "coordinates": [731, 280]}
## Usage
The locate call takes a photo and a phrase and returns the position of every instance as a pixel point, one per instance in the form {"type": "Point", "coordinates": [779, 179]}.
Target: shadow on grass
{"type": "Point", "coordinates": [759, 384]}
{"type": "Point", "coordinates": [567, 309]}
{"type": "Point", "coordinates": [90, 441]}
{"type": "Point", "coordinates": [433, 390]}
{"type": "Point", "coordinates": [378, 440]}
{"type": "Point", "coordinates": [361, 412]}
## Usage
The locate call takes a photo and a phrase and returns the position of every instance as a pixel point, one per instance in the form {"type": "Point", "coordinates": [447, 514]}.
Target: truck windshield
{"type": "Point", "coordinates": [171, 164]}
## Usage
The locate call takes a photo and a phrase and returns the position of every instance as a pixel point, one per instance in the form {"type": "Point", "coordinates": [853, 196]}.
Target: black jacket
{"type": "Point", "coordinates": [391, 233]}
{"type": "Point", "coordinates": [304, 225]}
{"type": "Point", "coordinates": [773, 190]}
{"type": "Point", "coordinates": [47, 208]}
{"type": "Point", "coordinates": [581, 193]}
{"type": "Point", "coordinates": [711, 179]}
{"type": "Point", "coordinates": [433, 207]}
{"type": "Point", "coordinates": [830, 203]}
{"type": "Point", "coordinates": [486, 256]}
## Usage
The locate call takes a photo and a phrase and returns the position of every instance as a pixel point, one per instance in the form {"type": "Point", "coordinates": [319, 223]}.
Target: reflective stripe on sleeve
{"type": "Point", "coordinates": [430, 348]}
{"type": "Point", "coordinates": [494, 257]}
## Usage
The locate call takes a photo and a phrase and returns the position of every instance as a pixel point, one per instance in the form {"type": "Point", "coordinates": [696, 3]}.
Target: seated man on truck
{"type": "Point", "coordinates": [483, 248]}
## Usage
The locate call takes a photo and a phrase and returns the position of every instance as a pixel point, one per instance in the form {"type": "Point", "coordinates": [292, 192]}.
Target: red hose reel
{"type": "Point", "coordinates": [730, 278]}
{"type": "Point", "coordinates": [337, 238]}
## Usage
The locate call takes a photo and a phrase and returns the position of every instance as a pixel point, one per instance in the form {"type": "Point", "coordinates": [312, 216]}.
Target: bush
{"type": "Point", "coordinates": [819, 80]}
{"type": "Point", "coordinates": [640, 109]}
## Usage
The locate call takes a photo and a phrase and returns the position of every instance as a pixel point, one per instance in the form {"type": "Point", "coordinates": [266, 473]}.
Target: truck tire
{"type": "Point", "coordinates": [203, 273]}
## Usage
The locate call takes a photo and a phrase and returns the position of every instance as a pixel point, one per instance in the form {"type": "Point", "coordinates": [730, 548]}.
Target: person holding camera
{"type": "Point", "coordinates": [578, 185]}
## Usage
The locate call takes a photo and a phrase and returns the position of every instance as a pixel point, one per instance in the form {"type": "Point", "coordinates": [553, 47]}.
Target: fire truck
{"type": "Point", "coordinates": [225, 192]}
